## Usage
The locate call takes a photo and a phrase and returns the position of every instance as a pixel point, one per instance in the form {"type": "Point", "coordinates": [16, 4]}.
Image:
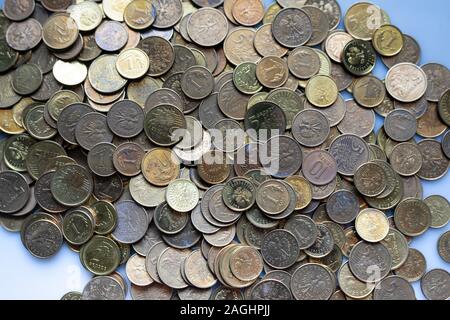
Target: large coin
{"type": "Point", "coordinates": [310, 273]}
{"type": "Point", "coordinates": [292, 27]}
{"type": "Point", "coordinates": [367, 257]}
{"type": "Point", "coordinates": [400, 87]}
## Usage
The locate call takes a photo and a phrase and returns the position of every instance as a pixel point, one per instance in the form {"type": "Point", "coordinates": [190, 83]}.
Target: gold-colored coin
{"type": "Point", "coordinates": [132, 63]}
{"type": "Point", "coordinates": [88, 15]}
{"type": "Point", "coordinates": [7, 123]}
{"type": "Point", "coordinates": [388, 40]}
{"type": "Point", "coordinates": [160, 166]}
{"type": "Point", "coordinates": [19, 108]}
{"type": "Point", "coordinates": [139, 14]}
{"type": "Point", "coordinates": [114, 9]}
{"type": "Point", "coordinates": [60, 31]}
{"type": "Point", "coordinates": [372, 225]}
{"type": "Point", "coordinates": [321, 91]}
{"type": "Point", "coordinates": [303, 190]}
{"type": "Point", "coordinates": [363, 18]}
{"type": "Point", "coordinates": [272, 72]}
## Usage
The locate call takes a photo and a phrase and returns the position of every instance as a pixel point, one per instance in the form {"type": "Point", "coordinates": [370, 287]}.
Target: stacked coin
{"type": "Point", "coordinates": [204, 143]}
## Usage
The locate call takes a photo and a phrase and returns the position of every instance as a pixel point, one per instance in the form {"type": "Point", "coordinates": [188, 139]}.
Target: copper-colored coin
{"type": "Point", "coordinates": [357, 120]}
{"type": "Point", "coordinates": [370, 179]}
{"type": "Point", "coordinates": [430, 124]}
{"type": "Point", "coordinates": [213, 168]}
{"type": "Point", "coordinates": [272, 72]}
{"type": "Point", "coordinates": [248, 12]}
{"type": "Point", "coordinates": [160, 53]}
{"type": "Point", "coordinates": [160, 166]}
{"type": "Point", "coordinates": [139, 14]}
{"type": "Point", "coordinates": [207, 27]}
{"type": "Point", "coordinates": [319, 167]}
{"type": "Point", "coordinates": [412, 217]}
{"type": "Point", "coordinates": [414, 267]}
{"type": "Point", "coordinates": [251, 268]}
{"type": "Point", "coordinates": [238, 46]}
{"type": "Point", "coordinates": [60, 31]}
{"type": "Point", "coordinates": [127, 158]}
{"type": "Point", "coordinates": [232, 102]}
{"type": "Point", "coordinates": [266, 45]}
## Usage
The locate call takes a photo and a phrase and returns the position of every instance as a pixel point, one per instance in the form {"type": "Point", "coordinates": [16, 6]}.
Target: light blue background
{"type": "Point", "coordinates": [25, 277]}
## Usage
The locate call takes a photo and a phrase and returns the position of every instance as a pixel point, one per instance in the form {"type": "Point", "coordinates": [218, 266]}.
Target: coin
{"type": "Point", "coordinates": [388, 40]}
{"type": "Point", "coordinates": [292, 27]}
{"type": "Point", "coordinates": [349, 151]}
{"type": "Point", "coordinates": [397, 245]}
{"type": "Point", "coordinates": [430, 125]}
{"type": "Point", "coordinates": [369, 91]}
{"type": "Point", "coordinates": [435, 284]}
{"type": "Point", "coordinates": [358, 20]}
{"type": "Point", "coordinates": [359, 57]}
{"type": "Point", "coordinates": [182, 195]}
{"type": "Point", "coordinates": [173, 13]}
{"type": "Point", "coordinates": [68, 119]}
{"type": "Point", "coordinates": [439, 207]}
{"type": "Point", "coordinates": [320, 168]}
{"type": "Point", "coordinates": [323, 245]}
{"type": "Point", "coordinates": [321, 91]}
{"type": "Point", "coordinates": [280, 249]}
{"type": "Point", "coordinates": [400, 125]}
{"type": "Point", "coordinates": [126, 119]}
{"type": "Point", "coordinates": [370, 179]}
{"type": "Point", "coordinates": [207, 27]}
{"type": "Point", "coordinates": [304, 229]}
{"type": "Point", "coordinates": [92, 129]}
{"type": "Point", "coordinates": [15, 192]}
{"type": "Point", "coordinates": [265, 44]}
{"type": "Point", "coordinates": [105, 217]}
{"type": "Point", "coordinates": [71, 185]}
{"type": "Point", "coordinates": [305, 274]}
{"type": "Point", "coordinates": [304, 62]}
{"type": "Point", "coordinates": [281, 156]}
{"type": "Point", "coordinates": [435, 164]}
{"type": "Point", "coordinates": [139, 14]}
{"type": "Point", "coordinates": [352, 286]}
{"type": "Point", "coordinates": [239, 194]}
{"type": "Point", "coordinates": [394, 288]}
{"type": "Point", "coordinates": [265, 119]}
{"type": "Point", "coordinates": [335, 43]}
{"type": "Point", "coordinates": [78, 226]}
{"type": "Point", "coordinates": [160, 166]}
{"type": "Point", "coordinates": [132, 63]}
{"type": "Point", "coordinates": [132, 222]}
{"type": "Point", "coordinates": [168, 131]}
{"type": "Point", "coordinates": [18, 12]}
{"type": "Point", "coordinates": [197, 271]}
{"type": "Point", "coordinates": [406, 91]}
{"type": "Point", "coordinates": [60, 31]}
{"type": "Point", "coordinates": [197, 82]}
{"type": "Point", "coordinates": [412, 217]}
{"type": "Point", "coordinates": [272, 197]}
{"type": "Point", "coordinates": [438, 80]}
{"type": "Point", "coordinates": [406, 159]}
{"type": "Point", "coordinates": [364, 257]}
{"type": "Point", "coordinates": [410, 52]}
{"type": "Point", "coordinates": [310, 128]}
{"type": "Point", "coordinates": [104, 76]}
{"type": "Point", "coordinates": [302, 189]}
{"type": "Point", "coordinates": [272, 72]}
{"type": "Point", "coordinates": [414, 266]}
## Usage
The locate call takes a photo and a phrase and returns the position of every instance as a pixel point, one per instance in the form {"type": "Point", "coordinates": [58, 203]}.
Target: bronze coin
{"type": "Point", "coordinates": [161, 124]}
{"type": "Point", "coordinates": [430, 124]}
{"type": "Point", "coordinates": [213, 168]}
{"type": "Point", "coordinates": [232, 102]}
{"type": "Point", "coordinates": [414, 267]}
{"type": "Point", "coordinates": [60, 31]}
{"type": "Point", "coordinates": [319, 167]}
{"type": "Point", "coordinates": [18, 11]}
{"type": "Point", "coordinates": [272, 72]}
{"type": "Point", "coordinates": [412, 217]}
{"type": "Point", "coordinates": [127, 158]}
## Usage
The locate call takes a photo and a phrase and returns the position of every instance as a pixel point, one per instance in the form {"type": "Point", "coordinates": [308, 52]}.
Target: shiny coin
{"type": "Point", "coordinates": [136, 272]}
{"type": "Point", "coordinates": [272, 72]}
{"type": "Point", "coordinates": [401, 89]}
{"type": "Point", "coordinates": [104, 76]}
{"type": "Point", "coordinates": [335, 43]}
{"type": "Point", "coordinates": [303, 190]}
{"type": "Point", "coordinates": [105, 217]}
{"type": "Point", "coordinates": [369, 91]}
{"type": "Point", "coordinates": [139, 14]}
{"type": "Point", "coordinates": [321, 91]}
{"type": "Point", "coordinates": [70, 73]}
{"type": "Point", "coordinates": [132, 63]}
{"type": "Point", "coordinates": [197, 272]}
{"type": "Point", "coordinates": [244, 78]}
{"type": "Point", "coordinates": [169, 267]}
{"type": "Point", "coordinates": [242, 38]}
{"type": "Point", "coordinates": [388, 40]}
{"type": "Point", "coordinates": [359, 57]}
{"type": "Point", "coordinates": [160, 166]}
{"type": "Point", "coordinates": [182, 195]}
{"type": "Point", "coordinates": [352, 286]}
{"type": "Point", "coordinates": [372, 225]}
{"type": "Point", "coordinates": [97, 247]}
{"type": "Point", "coordinates": [60, 31]}
{"type": "Point", "coordinates": [78, 226]}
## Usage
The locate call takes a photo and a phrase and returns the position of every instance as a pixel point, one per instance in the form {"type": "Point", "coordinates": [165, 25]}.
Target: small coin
{"type": "Point", "coordinates": [173, 13]}
{"type": "Point", "coordinates": [394, 288]}
{"type": "Point", "coordinates": [310, 128]}
{"type": "Point", "coordinates": [197, 272]}
{"type": "Point", "coordinates": [127, 158]}
{"type": "Point", "coordinates": [78, 226]}
{"type": "Point", "coordinates": [400, 125]}
{"type": "Point", "coordinates": [92, 129]}
{"type": "Point", "coordinates": [160, 166]}
{"type": "Point", "coordinates": [342, 206]}
{"type": "Point", "coordinates": [359, 57]}
{"type": "Point", "coordinates": [100, 159]}
{"type": "Point", "coordinates": [437, 76]}
{"type": "Point", "coordinates": [321, 91]}
{"type": "Point", "coordinates": [410, 52]}
{"type": "Point", "coordinates": [15, 192]}
{"type": "Point", "coordinates": [319, 167]}
{"type": "Point", "coordinates": [303, 190]}
{"type": "Point", "coordinates": [352, 286]}
{"type": "Point", "coordinates": [435, 284]}
{"type": "Point", "coordinates": [406, 91]}
{"type": "Point", "coordinates": [304, 229]}
{"type": "Point", "coordinates": [169, 221]}
{"type": "Point", "coordinates": [304, 275]}
{"type": "Point", "coordinates": [104, 76]}
{"type": "Point", "coordinates": [213, 168]}
{"type": "Point", "coordinates": [207, 27]}
{"type": "Point", "coordinates": [25, 35]}
{"type": "Point", "coordinates": [369, 91]}
{"type": "Point", "coordinates": [16, 12]}
{"type": "Point", "coordinates": [440, 211]}
{"type": "Point", "coordinates": [244, 78]}
{"type": "Point", "coordinates": [126, 119]}
{"type": "Point", "coordinates": [239, 194]}
{"type": "Point", "coordinates": [265, 119]}
{"type": "Point", "coordinates": [248, 12]}
{"type": "Point", "coordinates": [161, 54]}
{"type": "Point", "coordinates": [370, 179]}
{"type": "Point", "coordinates": [280, 249]}
{"type": "Point", "coordinates": [430, 125]}
{"type": "Point", "coordinates": [139, 14]}
{"type": "Point", "coordinates": [272, 197]}
{"type": "Point", "coordinates": [357, 120]}
{"type": "Point", "coordinates": [335, 44]}
{"type": "Point", "coordinates": [435, 164]}
{"type": "Point", "coordinates": [357, 20]}
{"type": "Point", "coordinates": [397, 245]}
{"type": "Point", "coordinates": [182, 195]}
{"type": "Point", "coordinates": [319, 22]}
{"type": "Point", "coordinates": [136, 272]}
{"type": "Point", "coordinates": [323, 245]}
{"type": "Point", "coordinates": [132, 63]}
{"type": "Point", "coordinates": [303, 62]}
{"type": "Point", "coordinates": [281, 156]}
{"type": "Point", "coordinates": [412, 217]}
{"type": "Point", "coordinates": [292, 27]}
{"type": "Point", "coordinates": [60, 31]}
{"type": "Point", "coordinates": [105, 217]}
{"type": "Point", "coordinates": [197, 82]}
{"type": "Point", "coordinates": [444, 107]}
{"type": "Point", "coordinates": [414, 266]}
{"type": "Point", "coordinates": [132, 222]}
{"type": "Point", "coordinates": [266, 45]}
{"type": "Point", "coordinates": [272, 72]}
{"type": "Point", "coordinates": [388, 40]}
{"type": "Point", "coordinates": [94, 249]}
{"type": "Point", "coordinates": [444, 246]}
{"type": "Point", "coordinates": [164, 125]}
{"type": "Point", "coordinates": [365, 256]}
{"type": "Point", "coordinates": [349, 151]}
{"type": "Point", "coordinates": [406, 159]}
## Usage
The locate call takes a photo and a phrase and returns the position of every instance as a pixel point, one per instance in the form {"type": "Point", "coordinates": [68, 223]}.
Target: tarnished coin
{"type": "Point", "coordinates": [14, 192]}
{"type": "Point", "coordinates": [394, 288]}
{"type": "Point", "coordinates": [92, 129]}
{"type": "Point", "coordinates": [342, 206]}
{"type": "Point", "coordinates": [197, 271]}
{"type": "Point", "coordinates": [167, 13]}
{"type": "Point", "coordinates": [100, 159]}
{"type": "Point", "coordinates": [446, 144]}
{"type": "Point", "coordinates": [289, 101]}
{"type": "Point", "coordinates": [435, 284]}
{"type": "Point", "coordinates": [352, 286]}
{"type": "Point", "coordinates": [292, 27]}
{"type": "Point", "coordinates": [103, 75]}
{"type": "Point", "coordinates": [248, 12]}
{"type": "Point", "coordinates": [365, 257]}
{"type": "Point", "coordinates": [406, 159]}
{"type": "Point", "coordinates": [244, 78]}
{"type": "Point", "coordinates": [370, 179]}
{"type": "Point", "coordinates": [164, 125]}
{"type": "Point", "coordinates": [161, 54]}
{"type": "Point", "coordinates": [207, 27]}
{"type": "Point", "coordinates": [444, 246]}
{"type": "Point", "coordinates": [388, 40]}
{"type": "Point", "coordinates": [132, 222]}
{"type": "Point", "coordinates": [412, 217]}
{"type": "Point", "coordinates": [126, 119]}
{"type": "Point", "coordinates": [400, 125]}
{"type": "Point", "coordinates": [323, 245]}
{"type": "Point", "coordinates": [238, 46]}
{"type": "Point", "coordinates": [414, 266]}
{"type": "Point", "coordinates": [272, 197]}
{"type": "Point", "coordinates": [440, 210]}
{"type": "Point", "coordinates": [369, 91]}
{"type": "Point", "coordinates": [60, 31]}
{"type": "Point", "coordinates": [25, 35]}
{"type": "Point", "coordinates": [399, 85]}
{"type": "Point", "coordinates": [430, 125]}
{"type": "Point", "coordinates": [139, 14]}
{"type": "Point", "coordinates": [272, 72]}
{"type": "Point", "coordinates": [357, 120]}
{"type": "Point", "coordinates": [239, 194]}
{"type": "Point", "coordinates": [321, 91]}
{"type": "Point", "coordinates": [154, 291]}
{"type": "Point", "coordinates": [444, 107]}
{"type": "Point", "coordinates": [27, 79]}
{"type": "Point", "coordinates": [169, 221]}
{"type": "Point", "coordinates": [68, 119]}
{"type": "Point", "coordinates": [71, 185]}
{"type": "Point", "coordinates": [310, 128]}
{"type": "Point", "coordinates": [304, 229]}
{"type": "Point", "coordinates": [160, 166]}
{"type": "Point", "coordinates": [359, 57]}
{"type": "Point", "coordinates": [265, 119]}
{"type": "Point", "coordinates": [350, 152]}
{"type": "Point", "coordinates": [319, 22]}
{"type": "Point", "coordinates": [438, 79]}
{"type": "Point", "coordinates": [303, 190]}
{"type": "Point", "coordinates": [213, 168]}
{"type": "Point", "coordinates": [266, 45]}
{"type": "Point", "coordinates": [309, 273]}
{"type": "Point", "coordinates": [169, 267]}
{"type": "Point", "coordinates": [197, 82]}
{"type": "Point", "coordinates": [132, 63]}
{"type": "Point", "coordinates": [127, 158]}
{"type": "Point", "coordinates": [320, 168]}
{"type": "Point", "coordinates": [410, 52]}
{"type": "Point", "coordinates": [18, 11]}
{"type": "Point", "coordinates": [303, 62]}
{"type": "Point", "coordinates": [281, 156]}
{"type": "Point", "coordinates": [270, 289]}
{"type": "Point", "coordinates": [43, 195]}
{"type": "Point", "coordinates": [280, 249]}
{"type": "Point", "coordinates": [435, 163]}
{"type": "Point", "coordinates": [111, 36]}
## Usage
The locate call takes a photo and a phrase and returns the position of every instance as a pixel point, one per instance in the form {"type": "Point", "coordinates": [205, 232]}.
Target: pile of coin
{"type": "Point", "coordinates": [207, 146]}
